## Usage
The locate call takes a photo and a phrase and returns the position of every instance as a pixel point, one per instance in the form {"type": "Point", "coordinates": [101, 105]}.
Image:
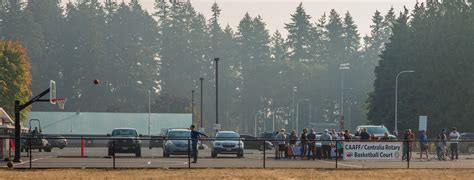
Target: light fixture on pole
{"type": "Point", "coordinates": [396, 97]}
{"type": "Point", "coordinates": [343, 67]}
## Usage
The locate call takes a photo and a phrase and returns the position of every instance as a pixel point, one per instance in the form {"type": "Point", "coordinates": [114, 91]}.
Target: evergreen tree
{"type": "Point", "coordinates": [300, 36]}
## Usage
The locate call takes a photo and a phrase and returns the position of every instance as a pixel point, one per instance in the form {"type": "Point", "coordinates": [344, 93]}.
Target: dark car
{"type": "Point", "coordinates": [57, 141]}
{"type": "Point", "coordinates": [156, 141]}
{"type": "Point", "coordinates": [124, 140]}
{"type": "Point", "coordinates": [466, 144]}
{"type": "Point", "coordinates": [251, 142]}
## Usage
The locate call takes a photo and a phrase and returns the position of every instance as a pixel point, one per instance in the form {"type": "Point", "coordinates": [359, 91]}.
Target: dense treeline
{"type": "Point", "coordinates": [436, 41]}
{"type": "Point", "coordinates": [132, 51]}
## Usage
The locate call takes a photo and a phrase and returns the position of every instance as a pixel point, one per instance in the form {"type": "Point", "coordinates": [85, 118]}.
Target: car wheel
{"type": "Point", "coordinates": [40, 150]}
{"type": "Point", "coordinates": [62, 147]}
{"type": "Point", "coordinates": [149, 147]}
{"type": "Point", "coordinates": [240, 155]}
{"type": "Point", "coordinates": [470, 149]}
{"type": "Point", "coordinates": [260, 148]}
{"type": "Point", "coordinates": [47, 149]}
{"type": "Point", "coordinates": [213, 154]}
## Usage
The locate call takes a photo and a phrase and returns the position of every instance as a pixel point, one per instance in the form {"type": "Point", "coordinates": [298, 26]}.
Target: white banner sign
{"type": "Point", "coordinates": [423, 123]}
{"type": "Point", "coordinates": [372, 150]}
{"type": "Point", "coordinates": [217, 126]}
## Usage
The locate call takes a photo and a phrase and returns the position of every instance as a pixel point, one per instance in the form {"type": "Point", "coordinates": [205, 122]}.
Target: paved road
{"type": "Point", "coordinates": [97, 158]}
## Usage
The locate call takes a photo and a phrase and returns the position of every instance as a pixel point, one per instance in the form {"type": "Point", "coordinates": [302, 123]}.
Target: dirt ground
{"type": "Point", "coordinates": [238, 174]}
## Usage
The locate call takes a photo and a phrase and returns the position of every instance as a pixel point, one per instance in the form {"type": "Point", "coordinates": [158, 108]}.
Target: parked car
{"type": "Point", "coordinates": [227, 142]}
{"type": "Point", "coordinates": [57, 141]}
{"type": "Point", "coordinates": [377, 130]}
{"type": "Point", "coordinates": [176, 142]}
{"type": "Point", "coordinates": [466, 144]}
{"type": "Point", "coordinates": [252, 142]}
{"type": "Point", "coordinates": [156, 141]}
{"type": "Point", "coordinates": [124, 140]}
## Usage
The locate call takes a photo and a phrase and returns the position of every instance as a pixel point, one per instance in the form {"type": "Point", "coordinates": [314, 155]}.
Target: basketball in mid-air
{"type": "Point", "coordinates": [96, 81]}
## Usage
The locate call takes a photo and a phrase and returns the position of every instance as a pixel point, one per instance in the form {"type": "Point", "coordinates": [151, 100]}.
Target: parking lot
{"type": "Point", "coordinates": [96, 157]}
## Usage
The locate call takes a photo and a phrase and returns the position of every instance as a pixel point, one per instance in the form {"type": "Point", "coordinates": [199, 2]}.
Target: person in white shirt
{"type": "Point", "coordinates": [454, 140]}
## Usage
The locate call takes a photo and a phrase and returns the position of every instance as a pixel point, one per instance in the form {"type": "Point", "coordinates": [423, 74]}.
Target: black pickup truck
{"type": "Point", "coordinates": [124, 140]}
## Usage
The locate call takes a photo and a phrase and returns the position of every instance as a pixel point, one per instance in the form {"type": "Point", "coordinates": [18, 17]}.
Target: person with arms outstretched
{"type": "Point", "coordinates": [195, 135]}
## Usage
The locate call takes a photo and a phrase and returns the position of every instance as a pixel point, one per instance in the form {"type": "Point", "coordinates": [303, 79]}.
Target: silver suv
{"type": "Point", "coordinates": [228, 142]}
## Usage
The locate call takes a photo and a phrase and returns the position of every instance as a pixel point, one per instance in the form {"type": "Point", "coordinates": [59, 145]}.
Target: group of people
{"type": "Point", "coordinates": [286, 144]}
{"type": "Point", "coordinates": [442, 141]}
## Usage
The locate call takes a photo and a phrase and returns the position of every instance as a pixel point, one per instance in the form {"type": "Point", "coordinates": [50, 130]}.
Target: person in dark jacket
{"type": "Point", "coordinates": [292, 141]}
{"type": "Point", "coordinates": [195, 135]}
{"type": "Point", "coordinates": [364, 135]}
{"type": "Point", "coordinates": [303, 143]}
{"type": "Point", "coordinates": [311, 144]}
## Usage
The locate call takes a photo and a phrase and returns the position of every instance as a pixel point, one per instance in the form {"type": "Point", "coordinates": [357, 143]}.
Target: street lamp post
{"type": "Point", "coordinates": [295, 89]}
{"type": "Point", "coordinates": [396, 96]}
{"type": "Point", "coordinates": [192, 106]}
{"type": "Point", "coordinates": [216, 60]}
{"type": "Point", "coordinates": [200, 114]}
{"type": "Point", "coordinates": [149, 113]}
{"type": "Point", "coordinates": [342, 67]}
{"type": "Point", "coordinates": [298, 112]}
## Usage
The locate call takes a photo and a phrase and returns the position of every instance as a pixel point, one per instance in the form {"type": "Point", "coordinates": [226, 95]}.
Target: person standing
{"type": "Point", "coordinates": [411, 139]}
{"type": "Point", "coordinates": [303, 141]}
{"type": "Point", "coordinates": [406, 150]}
{"type": "Point", "coordinates": [347, 135]}
{"type": "Point", "coordinates": [454, 140]}
{"type": "Point", "coordinates": [311, 144]}
{"type": "Point", "coordinates": [292, 141]}
{"type": "Point", "coordinates": [423, 144]}
{"type": "Point", "coordinates": [364, 135]}
{"type": "Point", "coordinates": [275, 143]}
{"type": "Point", "coordinates": [385, 137]}
{"type": "Point", "coordinates": [281, 138]}
{"type": "Point", "coordinates": [326, 139]}
{"type": "Point", "coordinates": [195, 135]}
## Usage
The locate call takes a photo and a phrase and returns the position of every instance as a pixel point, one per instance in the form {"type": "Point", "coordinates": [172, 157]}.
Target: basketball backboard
{"type": "Point", "coordinates": [52, 92]}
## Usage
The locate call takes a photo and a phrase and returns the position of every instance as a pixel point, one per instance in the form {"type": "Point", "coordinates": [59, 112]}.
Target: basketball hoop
{"type": "Point", "coordinates": [60, 102]}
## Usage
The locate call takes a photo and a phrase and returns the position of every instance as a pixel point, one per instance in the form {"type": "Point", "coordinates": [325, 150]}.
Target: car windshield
{"type": "Point", "coordinates": [124, 132]}
{"type": "Point", "coordinates": [377, 130]}
{"type": "Point", "coordinates": [179, 134]}
{"type": "Point", "coordinates": [227, 136]}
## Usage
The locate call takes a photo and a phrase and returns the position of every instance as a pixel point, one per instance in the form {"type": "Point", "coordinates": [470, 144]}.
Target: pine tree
{"type": "Point", "coordinates": [300, 36]}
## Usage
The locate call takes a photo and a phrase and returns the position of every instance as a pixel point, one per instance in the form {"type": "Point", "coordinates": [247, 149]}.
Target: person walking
{"type": "Point", "coordinates": [292, 141]}
{"type": "Point", "coordinates": [411, 140]}
{"type": "Point", "coordinates": [454, 140]}
{"type": "Point", "coordinates": [195, 135]}
{"type": "Point", "coordinates": [311, 144]}
{"type": "Point", "coordinates": [326, 144]}
{"type": "Point", "coordinates": [423, 144]}
{"type": "Point", "coordinates": [303, 141]}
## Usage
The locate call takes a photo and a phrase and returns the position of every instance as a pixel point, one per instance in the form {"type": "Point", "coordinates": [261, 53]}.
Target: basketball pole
{"type": "Point", "coordinates": [18, 108]}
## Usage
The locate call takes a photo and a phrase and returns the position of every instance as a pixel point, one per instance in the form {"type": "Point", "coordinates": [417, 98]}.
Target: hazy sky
{"type": "Point", "coordinates": [277, 12]}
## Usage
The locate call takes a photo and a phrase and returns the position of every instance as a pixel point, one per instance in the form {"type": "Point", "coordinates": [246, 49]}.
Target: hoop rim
{"type": "Point", "coordinates": [60, 101]}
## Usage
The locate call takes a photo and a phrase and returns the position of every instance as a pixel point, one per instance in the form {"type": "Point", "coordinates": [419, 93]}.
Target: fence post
{"type": "Point", "coordinates": [82, 146]}
{"type": "Point", "coordinates": [408, 154]}
{"type": "Point", "coordinates": [29, 149]}
{"type": "Point", "coordinates": [189, 154]}
{"type": "Point", "coordinates": [264, 153]}
{"type": "Point", "coordinates": [113, 153]}
{"type": "Point", "coordinates": [337, 155]}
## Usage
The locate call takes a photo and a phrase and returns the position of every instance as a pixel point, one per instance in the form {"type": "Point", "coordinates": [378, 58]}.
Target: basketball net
{"type": "Point", "coordinates": [61, 103]}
